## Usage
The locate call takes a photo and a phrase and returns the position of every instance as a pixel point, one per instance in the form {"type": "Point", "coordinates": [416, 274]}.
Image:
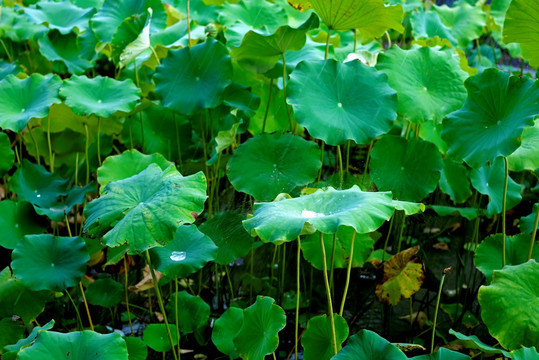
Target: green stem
{"type": "Point", "coordinates": [178, 142]}
{"type": "Point", "coordinates": [161, 306]}
{"type": "Point", "coordinates": [400, 231]}
{"type": "Point", "coordinates": [328, 294]}
{"type": "Point", "coordinates": [298, 261]}
{"type": "Point", "coordinates": [348, 272]}
{"type": "Point", "coordinates": [131, 132]}
{"type": "Point", "coordinates": [98, 140]}
{"type": "Point", "coordinates": [348, 144]}
{"type": "Point", "coordinates": [51, 159]}
{"type": "Point", "coordinates": [436, 310]}
{"type": "Point", "coordinates": [86, 154]}
{"type": "Point", "coordinates": [534, 232]}
{"type": "Point", "coordinates": [79, 319]}
{"type": "Point", "coordinates": [327, 44]}
{"type": "Point", "coordinates": [86, 306]}
{"type": "Point", "coordinates": [504, 201]}
{"type": "Point", "coordinates": [368, 158]}
{"type": "Point", "coordinates": [321, 160]}
{"type": "Point", "coordinates": [126, 283]}
{"type": "Point", "coordinates": [188, 23]}
{"type": "Point", "coordinates": [283, 269]}
{"type": "Point", "coordinates": [229, 283]}
{"type": "Point", "coordinates": [35, 144]}
{"type": "Point", "coordinates": [6, 50]}
{"type": "Point", "coordinates": [267, 105]}
{"type": "Point", "coordinates": [285, 76]}
{"type": "Point", "coordinates": [332, 263]}
{"type": "Point", "coordinates": [252, 271]}
{"type": "Point", "coordinates": [176, 313]}
{"type": "Point", "coordinates": [387, 237]}
{"type": "Point", "coordinates": [341, 170]}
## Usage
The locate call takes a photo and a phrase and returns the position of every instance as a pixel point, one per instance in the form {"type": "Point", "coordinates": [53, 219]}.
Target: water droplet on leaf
{"type": "Point", "coordinates": [178, 256]}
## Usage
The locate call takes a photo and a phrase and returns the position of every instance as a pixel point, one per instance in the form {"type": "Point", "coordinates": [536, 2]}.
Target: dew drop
{"type": "Point", "coordinates": [178, 256]}
{"type": "Point", "coordinates": [499, 122]}
{"type": "Point", "coordinates": [425, 88]}
{"type": "Point", "coordinates": [99, 101]}
{"type": "Point", "coordinates": [402, 168]}
{"type": "Point", "coordinates": [275, 166]}
{"type": "Point", "coordinates": [339, 105]}
{"type": "Point", "coordinates": [17, 226]}
{"type": "Point", "coordinates": [197, 78]}
{"type": "Point", "coordinates": [23, 110]}
{"type": "Point", "coordinates": [38, 195]}
{"type": "Point", "coordinates": [52, 264]}
{"type": "Point", "coordinates": [310, 214]}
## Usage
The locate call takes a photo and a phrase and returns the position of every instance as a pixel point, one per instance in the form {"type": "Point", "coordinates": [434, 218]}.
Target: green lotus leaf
{"type": "Point", "coordinates": [525, 353]}
{"type": "Point", "coordinates": [7, 156]}
{"type": "Point", "coordinates": [403, 277]}
{"type": "Point", "coordinates": [473, 342]}
{"type": "Point", "coordinates": [527, 222]}
{"type": "Point", "coordinates": [62, 16]}
{"type": "Point", "coordinates": [509, 305]}
{"type": "Point", "coordinates": [156, 337]}
{"type": "Point", "coordinates": [227, 232]}
{"type": "Point", "coordinates": [7, 68]}
{"type": "Point", "coordinates": [104, 292]}
{"type": "Point", "coordinates": [79, 345]}
{"type": "Point", "coordinates": [428, 25]}
{"type": "Point", "coordinates": [22, 100]}
{"type": "Point", "coordinates": [55, 46]}
{"type": "Point", "coordinates": [454, 181]}
{"type": "Point", "coordinates": [113, 13]}
{"type": "Point", "coordinates": [312, 251]}
{"type": "Point", "coordinates": [325, 210]}
{"type": "Point", "coordinates": [424, 94]}
{"type": "Point", "coordinates": [10, 332]}
{"type": "Point", "coordinates": [267, 165]}
{"type": "Point", "coordinates": [489, 124]}
{"type": "Point", "coordinates": [47, 262]}
{"type": "Point", "coordinates": [10, 351]}
{"type": "Point", "coordinates": [193, 78]}
{"type": "Point", "coordinates": [225, 329]}
{"type": "Point", "coordinates": [489, 180]}
{"type": "Point", "coordinates": [128, 32]}
{"type": "Point", "coordinates": [367, 344]}
{"type": "Point", "coordinates": [338, 102]}
{"type": "Point", "coordinates": [526, 157]}
{"type": "Point", "coordinates": [184, 255]}
{"type": "Point", "coordinates": [488, 255]}
{"type": "Point", "coordinates": [145, 210]}
{"type": "Point", "coordinates": [192, 312]}
{"type": "Point", "coordinates": [465, 21]}
{"type": "Point", "coordinates": [137, 45]}
{"type": "Point", "coordinates": [62, 118]}
{"type": "Point", "coordinates": [442, 354]}
{"type": "Point", "coordinates": [136, 349]}
{"type": "Point", "coordinates": [102, 96]}
{"type": "Point", "coordinates": [522, 26]}
{"type": "Point", "coordinates": [19, 28]}
{"type": "Point", "coordinates": [409, 208]}
{"type": "Point", "coordinates": [127, 164]}
{"type": "Point", "coordinates": [467, 213]}
{"type": "Point", "coordinates": [409, 168]}
{"type": "Point", "coordinates": [454, 310]}
{"type": "Point", "coordinates": [277, 118]}
{"type": "Point", "coordinates": [242, 99]}
{"type": "Point", "coordinates": [317, 340]}
{"type": "Point", "coordinates": [258, 335]}
{"type": "Point", "coordinates": [16, 220]}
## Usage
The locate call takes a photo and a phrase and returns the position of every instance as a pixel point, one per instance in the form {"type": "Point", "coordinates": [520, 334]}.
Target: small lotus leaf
{"type": "Point", "coordinates": [156, 337]}
{"type": "Point", "coordinates": [367, 344]}
{"type": "Point", "coordinates": [16, 220]}
{"type": "Point", "coordinates": [22, 100]}
{"type": "Point", "coordinates": [163, 198]}
{"type": "Point", "coordinates": [184, 255]}
{"type": "Point", "coordinates": [57, 47]}
{"type": "Point", "coordinates": [7, 68]}
{"type": "Point", "coordinates": [225, 329]}
{"type": "Point", "coordinates": [102, 96]}
{"type": "Point", "coordinates": [526, 157]}
{"type": "Point", "coordinates": [194, 78]}
{"type": "Point", "coordinates": [489, 124]}
{"type": "Point", "coordinates": [454, 181]}
{"type": "Point", "coordinates": [324, 210]}
{"type": "Point", "coordinates": [509, 305]}
{"type": "Point", "coordinates": [527, 222]}
{"type": "Point", "coordinates": [63, 16]}
{"type": "Point", "coordinates": [136, 348]}
{"type": "Point", "coordinates": [128, 31]}
{"type": "Point", "coordinates": [424, 94]}
{"type": "Point", "coordinates": [403, 277]}
{"type": "Point", "coordinates": [7, 156]}
{"type": "Point", "coordinates": [47, 262]}
{"type": "Point", "coordinates": [138, 45]}
{"type": "Point", "coordinates": [468, 213]}
{"type": "Point", "coordinates": [473, 342]}
{"type": "Point", "coordinates": [317, 340]}
{"type": "Point", "coordinates": [522, 26]}
{"type": "Point", "coordinates": [428, 25]}
{"type": "Point", "coordinates": [104, 292]}
{"type": "Point", "coordinates": [442, 354]}
{"type": "Point", "coordinates": [267, 165]}
{"type": "Point", "coordinates": [78, 345]}
{"type": "Point", "coordinates": [258, 335]}
{"type": "Point", "coordinates": [465, 21]}
{"type": "Point", "coordinates": [410, 169]}
{"type": "Point", "coordinates": [192, 311]}
{"type": "Point", "coordinates": [338, 102]}
{"type": "Point", "coordinates": [409, 208]}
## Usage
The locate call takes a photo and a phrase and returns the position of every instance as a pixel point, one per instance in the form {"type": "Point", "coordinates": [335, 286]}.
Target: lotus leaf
{"type": "Point", "coordinates": [129, 31]}
{"type": "Point", "coordinates": [525, 353]}
{"type": "Point", "coordinates": [145, 210]}
{"type": "Point", "coordinates": [258, 335]}
{"type": "Point", "coordinates": [454, 181]}
{"type": "Point", "coordinates": [442, 354]}
{"type": "Point", "coordinates": [317, 340]}
{"type": "Point", "coordinates": [225, 329]}
{"type": "Point", "coordinates": [156, 337]}
{"type": "Point", "coordinates": [324, 210]}
{"type": "Point", "coordinates": [526, 157]}
{"type": "Point", "coordinates": [468, 213]}
{"type": "Point", "coordinates": [409, 168]}
{"type": "Point", "coordinates": [192, 311]}
{"type": "Point", "coordinates": [368, 345]}
{"type": "Point", "coordinates": [489, 124]}
{"type": "Point", "coordinates": [79, 345]}
{"type": "Point", "coordinates": [138, 45]}
{"type": "Point", "coordinates": [22, 100]}
{"type": "Point", "coordinates": [509, 305]}
{"type": "Point", "coordinates": [522, 26]}
{"type": "Point", "coordinates": [7, 156]}
{"type": "Point", "coordinates": [338, 102]}
{"type": "Point", "coordinates": [473, 342]}
{"type": "Point", "coordinates": [104, 292]}
{"type": "Point", "coordinates": [424, 94]}
{"type": "Point", "coordinates": [7, 68]}
{"type": "Point", "coordinates": [194, 78]}
{"type": "Point", "coordinates": [10, 351]}
{"type": "Point", "coordinates": [62, 16]}
{"type": "Point", "coordinates": [527, 222]}
{"type": "Point", "coordinates": [10, 332]}
{"type": "Point", "coordinates": [267, 165]}
{"type": "Point", "coordinates": [465, 21]}
{"type": "Point", "coordinates": [136, 348]}
{"type": "Point", "coordinates": [16, 220]}
{"type": "Point", "coordinates": [55, 46]}
{"type": "Point", "coordinates": [428, 25]}
{"type": "Point", "coordinates": [184, 255]}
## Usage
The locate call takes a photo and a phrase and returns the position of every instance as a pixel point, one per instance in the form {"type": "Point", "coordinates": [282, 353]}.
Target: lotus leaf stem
{"type": "Point", "coordinates": [504, 204]}
{"type": "Point", "coordinates": [436, 309]}
{"type": "Point", "coordinates": [86, 306]}
{"type": "Point", "coordinates": [51, 158]}
{"type": "Point", "coordinates": [328, 294]}
{"type": "Point", "coordinates": [348, 272]}
{"type": "Point", "coordinates": [298, 288]}
{"type": "Point", "coordinates": [86, 153]}
{"type": "Point", "coordinates": [35, 144]}
{"type": "Point", "coordinates": [79, 319]}
{"type": "Point", "coordinates": [327, 44]}
{"type": "Point", "coordinates": [267, 105]}
{"type": "Point", "coordinates": [534, 232]}
{"type": "Point", "coordinates": [126, 283]}
{"type": "Point", "coordinates": [285, 75]}
{"type": "Point", "coordinates": [98, 140]}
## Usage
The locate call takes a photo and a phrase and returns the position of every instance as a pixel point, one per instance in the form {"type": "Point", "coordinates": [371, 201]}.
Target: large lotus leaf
{"type": "Point", "coordinates": [491, 121]}
{"type": "Point", "coordinates": [193, 312]}
{"type": "Point", "coordinates": [114, 12]}
{"type": "Point", "coordinates": [473, 342]}
{"type": "Point", "coordinates": [338, 102]}
{"type": "Point", "coordinates": [156, 337]}
{"type": "Point", "coordinates": [325, 210]}
{"type": "Point", "coordinates": [19, 28]}
{"type": "Point", "coordinates": [227, 232]}
{"type": "Point", "coordinates": [10, 351]}
{"type": "Point", "coordinates": [102, 96]}
{"type": "Point", "coordinates": [317, 340]}
{"type": "Point", "coordinates": [525, 353]}
{"type": "Point", "coordinates": [127, 164]}
{"type": "Point", "coordinates": [465, 21]}
{"type": "Point", "coordinates": [427, 25]}
{"type": "Point", "coordinates": [17, 299]}
{"type": "Point", "coordinates": [55, 46]}
{"type": "Point", "coordinates": [194, 78]}
{"type": "Point", "coordinates": [47, 262]}
{"type": "Point", "coordinates": [104, 292]}
{"type": "Point", "coordinates": [522, 26]}
{"type": "Point", "coordinates": [442, 354]}
{"type": "Point", "coordinates": [488, 255]}
{"type": "Point", "coordinates": [509, 305]}
{"type": "Point", "coordinates": [7, 156]}
{"type": "Point", "coordinates": [22, 100]}
{"type": "Point", "coordinates": [258, 335]}
{"type": "Point", "coordinates": [145, 210]}
{"type": "Point", "coordinates": [225, 329]}
{"type": "Point", "coordinates": [410, 169]}
{"type": "Point", "coordinates": [16, 220]}
{"type": "Point", "coordinates": [267, 165]}
{"type": "Point", "coordinates": [403, 276]}
{"type": "Point", "coordinates": [79, 345]}
{"type": "Point", "coordinates": [312, 251]}
{"type": "Point", "coordinates": [63, 16]}
{"type": "Point", "coordinates": [489, 180]}
{"type": "Point", "coordinates": [424, 94]}
{"type": "Point", "coordinates": [184, 255]}
{"type": "Point", "coordinates": [63, 118]}
{"type": "Point", "coordinates": [454, 181]}
{"type": "Point", "coordinates": [367, 344]}
{"type": "Point", "coordinates": [526, 157]}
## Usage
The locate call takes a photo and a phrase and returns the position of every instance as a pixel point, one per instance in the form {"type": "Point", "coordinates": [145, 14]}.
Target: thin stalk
{"type": "Point", "coordinates": [348, 272]}
{"type": "Point", "coordinates": [6, 50]}
{"type": "Point", "coordinates": [251, 270]}
{"type": "Point", "coordinates": [79, 319]}
{"type": "Point", "coordinates": [229, 283]}
{"type": "Point", "coordinates": [436, 310]}
{"type": "Point", "coordinates": [348, 144]}
{"type": "Point", "coordinates": [131, 132]}
{"type": "Point", "coordinates": [283, 269]}
{"type": "Point", "coordinates": [534, 232]}
{"type": "Point", "coordinates": [504, 201]}
{"type": "Point", "coordinates": [321, 160]}
{"type": "Point", "coordinates": [355, 40]}
{"type": "Point", "coordinates": [298, 261]}
{"type": "Point", "coordinates": [98, 140]}
{"type": "Point", "coordinates": [273, 265]}
{"type": "Point", "coordinates": [332, 263]}
{"type": "Point", "coordinates": [328, 293]}
{"type": "Point", "coordinates": [161, 306]}
{"type": "Point", "coordinates": [400, 231]}
{"type": "Point", "coordinates": [478, 49]}
{"type": "Point", "coordinates": [176, 312]}
{"type": "Point", "coordinates": [387, 237]}
{"type": "Point", "coordinates": [368, 158]}
{"type": "Point", "coordinates": [341, 170]}
{"type": "Point", "coordinates": [51, 159]}
{"type": "Point", "coordinates": [267, 105]}
{"type": "Point", "coordinates": [188, 23]}
{"type": "Point", "coordinates": [141, 129]}
{"type": "Point", "coordinates": [86, 306]}
{"type": "Point", "coordinates": [327, 44]}
{"type": "Point", "coordinates": [216, 277]}
{"type": "Point", "coordinates": [35, 144]}
{"type": "Point", "coordinates": [285, 75]}
{"type": "Point", "coordinates": [178, 143]}
{"type": "Point", "coordinates": [86, 154]}
{"type": "Point", "coordinates": [388, 40]}
{"type": "Point", "coordinates": [127, 296]}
